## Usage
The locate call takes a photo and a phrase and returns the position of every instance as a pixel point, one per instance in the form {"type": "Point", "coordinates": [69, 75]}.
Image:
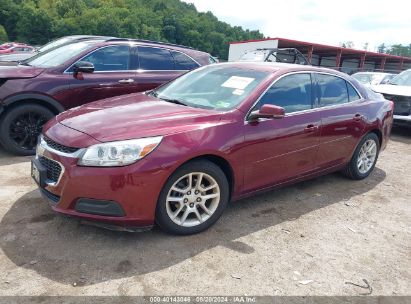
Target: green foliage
{"type": "Point", "coordinates": [3, 34]}
{"type": "Point", "coordinates": [39, 21]}
{"type": "Point", "coordinates": [34, 25]}
{"type": "Point", "coordinates": [400, 50]}
{"type": "Point", "coordinates": [382, 48]}
{"type": "Point", "coordinates": [395, 49]}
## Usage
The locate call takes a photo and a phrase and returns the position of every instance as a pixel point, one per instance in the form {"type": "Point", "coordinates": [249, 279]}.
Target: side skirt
{"type": "Point", "coordinates": [291, 182]}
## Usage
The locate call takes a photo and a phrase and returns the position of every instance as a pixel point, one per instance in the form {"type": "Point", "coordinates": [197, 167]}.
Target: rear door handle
{"type": "Point", "coordinates": [358, 116]}
{"type": "Point", "coordinates": [126, 81]}
{"type": "Point", "coordinates": [310, 128]}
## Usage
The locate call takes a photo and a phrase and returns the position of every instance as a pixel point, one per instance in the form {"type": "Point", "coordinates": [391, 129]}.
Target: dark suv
{"type": "Point", "coordinates": [77, 73]}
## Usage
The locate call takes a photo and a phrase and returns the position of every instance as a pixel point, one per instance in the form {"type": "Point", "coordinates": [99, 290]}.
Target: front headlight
{"type": "Point", "coordinates": [118, 153]}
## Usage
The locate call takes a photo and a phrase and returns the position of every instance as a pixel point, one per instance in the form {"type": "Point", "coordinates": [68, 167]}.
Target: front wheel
{"type": "Point", "coordinates": [364, 158]}
{"type": "Point", "coordinates": [20, 127]}
{"type": "Point", "coordinates": [193, 198]}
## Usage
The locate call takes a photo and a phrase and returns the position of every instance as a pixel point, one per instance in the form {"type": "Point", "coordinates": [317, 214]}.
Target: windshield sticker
{"type": "Point", "coordinates": [238, 92]}
{"type": "Point", "coordinates": [223, 104]}
{"type": "Point", "coordinates": [237, 82]}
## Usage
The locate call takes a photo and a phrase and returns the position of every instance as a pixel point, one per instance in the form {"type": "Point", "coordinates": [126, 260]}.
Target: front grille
{"type": "Point", "coordinates": [402, 104]}
{"type": "Point", "coordinates": [59, 147]}
{"type": "Point", "coordinates": [53, 169]}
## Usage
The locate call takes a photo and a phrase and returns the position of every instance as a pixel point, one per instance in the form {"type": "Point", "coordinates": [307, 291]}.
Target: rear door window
{"type": "Point", "coordinates": [155, 59]}
{"type": "Point", "coordinates": [331, 90]}
{"type": "Point", "coordinates": [352, 93]}
{"type": "Point", "coordinates": [183, 62]}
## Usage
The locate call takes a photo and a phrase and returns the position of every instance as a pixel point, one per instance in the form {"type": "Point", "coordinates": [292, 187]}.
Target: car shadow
{"type": "Point", "coordinates": [63, 250]}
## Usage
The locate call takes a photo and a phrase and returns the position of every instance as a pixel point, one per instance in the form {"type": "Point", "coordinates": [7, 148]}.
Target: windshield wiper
{"type": "Point", "coordinates": [176, 101]}
{"type": "Point", "coordinates": [153, 93]}
{"type": "Point", "coordinates": [23, 62]}
{"type": "Point", "coordinates": [172, 100]}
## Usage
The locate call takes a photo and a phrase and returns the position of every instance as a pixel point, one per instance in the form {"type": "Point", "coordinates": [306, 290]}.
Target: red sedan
{"type": "Point", "coordinates": [177, 155]}
{"type": "Point", "coordinates": [16, 48]}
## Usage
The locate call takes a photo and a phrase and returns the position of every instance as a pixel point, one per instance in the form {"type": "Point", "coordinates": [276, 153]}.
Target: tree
{"type": "Point", "coordinates": [3, 34]}
{"type": "Point", "coordinates": [169, 33]}
{"type": "Point", "coordinates": [399, 50]}
{"type": "Point", "coordinates": [347, 44]}
{"type": "Point", "coordinates": [34, 25]}
{"type": "Point", "coordinates": [9, 16]}
{"type": "Point", "coordinates": [38, 21]}
{"type": "Point", "coordinates": [381, 48]}
{"type": "Point", "coordinates": [70, 8]}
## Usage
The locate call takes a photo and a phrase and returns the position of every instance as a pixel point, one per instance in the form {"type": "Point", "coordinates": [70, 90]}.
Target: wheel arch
{"type": "Point", "coordinates": [222, 163]}
{"type": "Point", "coordinates": [378, 133]}
{"type": "Point", "coordinates": [39, 99]}
{"type": "Point", "coordinates": [373, 130]}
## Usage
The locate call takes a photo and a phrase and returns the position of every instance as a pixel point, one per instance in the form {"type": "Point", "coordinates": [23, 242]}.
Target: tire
{"type": "Point", "coordinates": [187, 198]}
{"type": "Point", "coordinates": [21, 125]}
{"type": "Point", "coordinates": [353, 169]}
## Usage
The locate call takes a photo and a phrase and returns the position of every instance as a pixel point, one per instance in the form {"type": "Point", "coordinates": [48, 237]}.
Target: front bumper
{"type": "Point", "coordinates": [402, 108]}
{"type": "Point", "coordinates": [402, 118]}
{"type": "Point", "coordinates": [114, 196]}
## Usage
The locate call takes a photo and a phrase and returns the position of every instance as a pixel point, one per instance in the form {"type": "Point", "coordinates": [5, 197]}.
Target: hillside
{"type": "Point", "coordinates": [39, 21]}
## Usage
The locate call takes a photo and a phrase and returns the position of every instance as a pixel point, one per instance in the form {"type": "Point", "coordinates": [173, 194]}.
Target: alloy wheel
{"type": "Point", "coordinates": [25, 129]}
{"type": "Point", "coordinates": [193, 199]}
{"type": "Point", "coordinates": [367, 156]}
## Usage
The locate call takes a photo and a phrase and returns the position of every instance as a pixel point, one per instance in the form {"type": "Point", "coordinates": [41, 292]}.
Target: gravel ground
{"type": "Point", "coordinates": [307, 239]}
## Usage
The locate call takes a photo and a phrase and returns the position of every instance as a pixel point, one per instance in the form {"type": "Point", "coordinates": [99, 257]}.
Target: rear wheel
{"type": "Point", "coordinates": [365, 157]}
{"type": "Point", "coordinates": [21, 126]}
{"type": "Point", "coordinates": [193, 198]}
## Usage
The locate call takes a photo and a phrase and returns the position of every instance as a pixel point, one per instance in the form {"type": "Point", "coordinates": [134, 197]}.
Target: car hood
{"type": "Point", "coordinates": [390, 89]}
{"type": "Point", "coordinates": [19, 71]}
{"type": "Point", "coordinates": [135, 116]}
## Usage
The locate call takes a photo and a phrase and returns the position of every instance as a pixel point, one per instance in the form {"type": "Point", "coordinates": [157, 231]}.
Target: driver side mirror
{"type": "Point", "coordinates": [267, 111]}
{"type": "Point", "coordinates": [83, 66]}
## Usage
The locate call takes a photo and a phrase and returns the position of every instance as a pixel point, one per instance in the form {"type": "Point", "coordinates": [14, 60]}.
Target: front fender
{"type": "Point", "coordinates": [50, 102]}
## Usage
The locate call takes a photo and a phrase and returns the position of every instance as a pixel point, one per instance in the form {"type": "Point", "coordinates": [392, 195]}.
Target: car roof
{"type": "Point", "coordinates": [110, 40]}
{"type": "Point", "coordinates": [281, 67]}
{"type": "Point", "coordinates": [373, 73]}
{"type": "Point", "coordinates": [145, 41]}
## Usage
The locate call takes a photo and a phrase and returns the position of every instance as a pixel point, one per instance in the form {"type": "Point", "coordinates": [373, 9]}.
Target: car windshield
{"type": "Point", "coordinates": [214, 87]}
{"type": "Point", "coordinates": [363, 78]}
{"type": "Point", "coordinates": [369, 78]}
{"type": "Point", "coordinates": [55, 43]}
{"type": "Point", "coordinates": [58, 56]}
{"type": "Point", "coordinates": [403, 79]}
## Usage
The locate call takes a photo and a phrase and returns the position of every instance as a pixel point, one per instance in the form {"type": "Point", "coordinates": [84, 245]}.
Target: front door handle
{"type": "Point", "coordinates": [358, 116]}
{"type": "Point", "coordinates": [126, 81]}
{"type": "Point", "coordinates": [311, 128]}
